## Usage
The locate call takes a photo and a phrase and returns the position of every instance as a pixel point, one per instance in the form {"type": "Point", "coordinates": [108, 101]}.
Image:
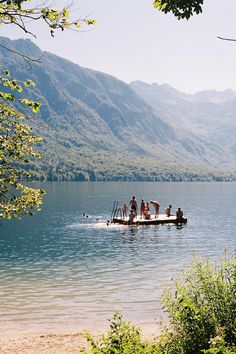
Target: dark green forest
{"type": "Point", "coordinates": [95, 166]}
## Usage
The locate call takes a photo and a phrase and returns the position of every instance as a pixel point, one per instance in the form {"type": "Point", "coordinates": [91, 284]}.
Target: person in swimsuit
{"type": "Point", "coordinates": [142, 208]}
{"type": "Point", "coordinates": [131, 217]}
{"type": "Point", "coordinates": [156, 207]}
{"type": "Point", "coordinates": [147, 214]}
{"type": "Point", "coordinates": [179, 214]}
{"type": "Point", "coordinates": [124, 210]}
{"type": "Point", "coordinates": [134, 205]}
{"type": "Point", "coordinates": [168, 211]}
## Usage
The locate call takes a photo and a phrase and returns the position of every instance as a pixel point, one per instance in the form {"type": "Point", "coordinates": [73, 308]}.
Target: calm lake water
{"type": "Point", "coordinates": [62, 271]}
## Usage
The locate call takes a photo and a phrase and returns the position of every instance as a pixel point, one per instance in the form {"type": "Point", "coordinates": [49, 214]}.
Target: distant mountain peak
{"type": "Point", "coordinates": [214, 96]}
{"type": "Point", "coordinates": [169, 92]}
{"type": "Point", "coordinates": [23, 46]}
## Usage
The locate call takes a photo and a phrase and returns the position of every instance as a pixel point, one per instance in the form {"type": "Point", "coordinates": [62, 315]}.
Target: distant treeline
{"type": "Point", "coordinates": [119, 168]}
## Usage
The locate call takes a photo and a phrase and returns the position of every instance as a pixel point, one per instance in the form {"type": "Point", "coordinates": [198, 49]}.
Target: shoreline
{"type": "Point", "coordinates": [50, 343]}
{"type": "Point", "coordinates": [58, 342]}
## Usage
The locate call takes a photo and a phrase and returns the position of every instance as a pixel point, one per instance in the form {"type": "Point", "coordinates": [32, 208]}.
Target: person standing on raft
{"type": "Point", "coordinates": [134, 205]}
{"type": "Point", "coordinates": [124, 210]}
{"type": "Point", "coordinates": [156, 207]}
{"type": "Point", "coordinates": [142, 208]}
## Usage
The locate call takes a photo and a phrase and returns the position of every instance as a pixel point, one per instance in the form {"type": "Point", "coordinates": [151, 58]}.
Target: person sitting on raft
{"type": "Point", "coordinates": [132, 216]}
{"type": "Point", "coordinates": [146, 213]}
{"type": "Point", "coordinates": [179, 214]}
{"type": "Point", "coordinates": [156, 207]}
{"type": "Point", "coordinates": [168, 211]}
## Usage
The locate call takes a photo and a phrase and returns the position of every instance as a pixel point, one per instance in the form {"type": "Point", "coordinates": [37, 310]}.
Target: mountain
{"type": "Point", "coordinates": [211, 115]}
{"type": "Point", "coordinates": [96, 127]}
{"type": "Point", "coordinates": [213, 96]}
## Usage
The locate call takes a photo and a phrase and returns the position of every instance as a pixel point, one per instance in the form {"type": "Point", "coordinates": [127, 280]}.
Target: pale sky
{"type": "Point", "coordinates": [133, 41]}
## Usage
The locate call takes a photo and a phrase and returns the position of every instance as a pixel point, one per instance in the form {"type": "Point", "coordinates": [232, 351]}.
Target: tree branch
{"type": "Point", "coordinates": [26, 58]}
{"type": "Point", "coordinates": [227, 39]}
{"type": "Point", "coordinates": [22, 55]}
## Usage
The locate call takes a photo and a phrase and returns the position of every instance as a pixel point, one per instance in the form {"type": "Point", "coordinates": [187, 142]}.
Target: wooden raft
{"type": "Point", "coordinates": [161, 219]}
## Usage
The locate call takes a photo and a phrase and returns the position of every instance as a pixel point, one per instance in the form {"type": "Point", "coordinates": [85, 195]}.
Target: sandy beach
{"type": "Point", "coordinates": [57, 343]}
{"type": "Point", "coordinates": [44, 343]}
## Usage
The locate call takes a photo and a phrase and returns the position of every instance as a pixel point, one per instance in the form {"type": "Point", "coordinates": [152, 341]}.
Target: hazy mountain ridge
{"type": "Point", "coordinates": [211, 115]}
{"type": "Point", "coordinates": [166, 92]}
{"type": "Point", "coordinates": [96, 125]}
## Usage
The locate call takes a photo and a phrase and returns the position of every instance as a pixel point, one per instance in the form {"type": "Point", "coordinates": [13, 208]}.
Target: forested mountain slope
{"type": "Point", "coordinates": [99, 128]}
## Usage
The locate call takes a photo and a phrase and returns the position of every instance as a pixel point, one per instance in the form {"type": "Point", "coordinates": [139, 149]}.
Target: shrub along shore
{"type": "Point", "coordinates": [202, 314]}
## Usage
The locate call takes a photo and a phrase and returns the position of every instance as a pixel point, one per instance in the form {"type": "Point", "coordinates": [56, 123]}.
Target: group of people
{"type": "Point", "coordinates": [145, 210]}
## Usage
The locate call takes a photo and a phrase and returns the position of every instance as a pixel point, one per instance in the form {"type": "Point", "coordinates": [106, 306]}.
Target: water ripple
{"type": "Point", "coordinates": [62, 268]}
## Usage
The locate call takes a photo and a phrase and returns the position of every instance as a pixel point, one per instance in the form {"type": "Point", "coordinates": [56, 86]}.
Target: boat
{"type": "Point", "coordinates": [117, 218]}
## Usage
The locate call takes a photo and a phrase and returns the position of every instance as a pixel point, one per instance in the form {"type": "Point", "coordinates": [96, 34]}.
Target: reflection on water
{"type": "Point", "coordinates": [63, 270]}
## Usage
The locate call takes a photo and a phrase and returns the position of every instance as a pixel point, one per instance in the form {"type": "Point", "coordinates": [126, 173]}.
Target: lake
{"type": "Point", "coordinates": [62, 271]}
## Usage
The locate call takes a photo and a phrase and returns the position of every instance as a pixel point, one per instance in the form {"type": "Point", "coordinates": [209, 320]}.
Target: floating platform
{"type": "Point", "coordinates": [161, 219]}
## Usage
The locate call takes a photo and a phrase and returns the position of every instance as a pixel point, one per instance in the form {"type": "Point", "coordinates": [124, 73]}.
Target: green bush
{"type": "Point", "coordinates": [202, 316]}
{"type": "Point", "coordinates": [121, 338]}
{"type": "Point", "coordinates": [202, 308]}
